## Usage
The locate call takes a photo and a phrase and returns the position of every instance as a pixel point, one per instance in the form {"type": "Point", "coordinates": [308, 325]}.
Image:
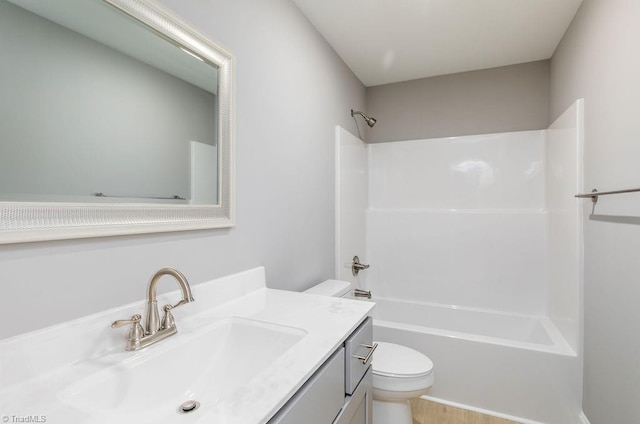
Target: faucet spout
{"type": "Point", "coordinates": [152, 322]}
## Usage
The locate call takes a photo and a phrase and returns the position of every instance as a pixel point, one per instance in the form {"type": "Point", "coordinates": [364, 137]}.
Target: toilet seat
{"type": "Point", "coordinates": [393, 360]}
{"type": "Point", "coordinates": [398, 368]}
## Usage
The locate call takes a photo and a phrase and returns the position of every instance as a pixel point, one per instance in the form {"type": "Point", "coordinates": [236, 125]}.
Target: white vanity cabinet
{"type": "Point", "coordinates": [340, 391]}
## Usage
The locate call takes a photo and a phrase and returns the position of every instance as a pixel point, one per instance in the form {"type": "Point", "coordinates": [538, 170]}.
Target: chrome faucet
{"type": "Point", "coordinates": [152, 323]}
{"type": "Point", "coordinates": [154, 328]}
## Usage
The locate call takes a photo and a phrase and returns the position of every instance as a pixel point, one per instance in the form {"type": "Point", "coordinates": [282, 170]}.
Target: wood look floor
{"type": "Point", "coordinates": [427, 412]}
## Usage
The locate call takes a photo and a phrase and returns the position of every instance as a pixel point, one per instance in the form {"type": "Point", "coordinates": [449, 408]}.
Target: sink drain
{"type": "Point", "coordinates": [188, 407]}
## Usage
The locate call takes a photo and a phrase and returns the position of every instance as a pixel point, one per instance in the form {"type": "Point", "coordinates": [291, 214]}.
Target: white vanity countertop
{"type": "Point", "coordinates": [36, 368]}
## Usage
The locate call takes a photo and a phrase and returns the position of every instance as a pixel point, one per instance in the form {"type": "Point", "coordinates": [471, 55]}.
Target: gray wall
{"type": "Point", "coordinates": [598, 60]}
{"type": "Point", "coordinates": [509, 98]}
{"type": "Point", "coordinates": [71, 106]}
{"type": "Point", "coordinates": [291, 91]}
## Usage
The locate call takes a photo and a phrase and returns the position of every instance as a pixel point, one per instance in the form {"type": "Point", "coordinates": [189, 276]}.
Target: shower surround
{"type": "Point", "coordinates": [475, 251]}
{"type": "Point", "coordinates": [460, 221]}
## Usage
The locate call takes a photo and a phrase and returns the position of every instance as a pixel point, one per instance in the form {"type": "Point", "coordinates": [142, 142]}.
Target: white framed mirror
{"type": "Point", "coordinates": [117, 118]}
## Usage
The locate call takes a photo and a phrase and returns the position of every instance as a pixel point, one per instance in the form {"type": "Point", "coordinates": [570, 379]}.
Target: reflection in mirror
{"type": "Point", "coordinates": [116, 117]}
{"type": "Point", "coordinates": [98, 108]}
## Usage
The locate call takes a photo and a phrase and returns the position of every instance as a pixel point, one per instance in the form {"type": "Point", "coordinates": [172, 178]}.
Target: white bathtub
{"type": "Point", "coordinates": [515, 330]}
{"type": "Point", "coordinates": [513, 366]}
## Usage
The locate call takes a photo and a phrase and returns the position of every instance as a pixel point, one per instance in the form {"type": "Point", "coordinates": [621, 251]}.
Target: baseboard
{"type": "Point", "coordinates": [483, 411]}
{"type": "Point", "coordinates": [583, 418]}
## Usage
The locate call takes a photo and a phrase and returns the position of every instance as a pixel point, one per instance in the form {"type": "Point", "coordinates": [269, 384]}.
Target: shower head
{"type": "Point", "coordinates": [370, 121]}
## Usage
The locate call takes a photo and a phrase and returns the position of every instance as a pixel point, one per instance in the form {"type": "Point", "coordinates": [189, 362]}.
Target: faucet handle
{"type": "Point", "coordinates": [135, 319]}
{"type": "Point", "coordinates": [136, 333]}
{"type": "Point", "coordinates": [357, 266]}
{"type": "Point", "coordinates": [167, 319]}
{"type": "Point", "coordinates": [182, 302]}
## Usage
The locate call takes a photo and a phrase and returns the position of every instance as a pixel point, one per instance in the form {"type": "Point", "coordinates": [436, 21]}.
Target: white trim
{"type": "Point", "coordinates": [583, 418]}
{"type": "Point", "coordinates": [336, 209]}
{"type": "Point", "coordinates": [481, 411]}
{"type": "Point", "coordinates": [31, 221]}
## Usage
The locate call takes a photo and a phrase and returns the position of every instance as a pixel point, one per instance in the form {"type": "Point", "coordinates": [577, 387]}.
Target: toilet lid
{"type": "Point", "coordinates": [394, 360]}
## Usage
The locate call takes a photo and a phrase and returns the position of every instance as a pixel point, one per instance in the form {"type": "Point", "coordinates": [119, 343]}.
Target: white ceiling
{"type": "Point", "coordinates": [385, 41]}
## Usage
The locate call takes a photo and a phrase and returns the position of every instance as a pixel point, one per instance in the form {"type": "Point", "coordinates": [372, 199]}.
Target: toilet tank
{"type": "Point", "coordinates": [331, 288]}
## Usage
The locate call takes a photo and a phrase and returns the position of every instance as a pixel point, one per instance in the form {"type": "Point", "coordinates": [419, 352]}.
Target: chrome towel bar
{"type": "Point", "coordinates": [595, 193]}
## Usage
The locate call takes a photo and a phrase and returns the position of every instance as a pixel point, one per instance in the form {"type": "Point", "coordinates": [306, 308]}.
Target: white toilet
{"type": "Point", "coordinates": [399, 373]}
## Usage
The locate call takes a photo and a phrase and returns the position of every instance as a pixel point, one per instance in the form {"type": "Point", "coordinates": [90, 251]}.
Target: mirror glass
{"type": "Point", "coordinates": [98, 108]}
{"type": "Point", "coordinates": [116, 117]}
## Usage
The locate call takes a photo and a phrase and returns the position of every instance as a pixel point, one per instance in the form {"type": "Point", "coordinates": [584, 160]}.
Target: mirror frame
{"type": "Point", "coordinates": [40, 221]}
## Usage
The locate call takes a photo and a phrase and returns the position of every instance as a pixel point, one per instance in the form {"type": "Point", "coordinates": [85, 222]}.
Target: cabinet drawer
{"type": "Point", "coordinates": [358, 351]}
{"type": "Point", "coordinates": [320, 399]}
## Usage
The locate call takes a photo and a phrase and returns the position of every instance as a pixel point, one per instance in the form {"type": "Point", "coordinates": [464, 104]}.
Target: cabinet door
{"type": "Point", "coordinates": [320, 399]}
{"type": "Point", "coordinates": [358, 408]}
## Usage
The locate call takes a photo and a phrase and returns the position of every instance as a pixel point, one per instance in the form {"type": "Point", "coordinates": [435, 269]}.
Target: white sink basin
{"type": "Point", "coordinates": [212, 366]}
